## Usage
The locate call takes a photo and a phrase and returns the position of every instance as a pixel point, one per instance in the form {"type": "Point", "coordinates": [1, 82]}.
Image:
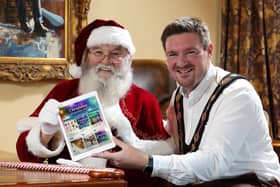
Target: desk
{"type": "Point", "coordinates": [22, 178]}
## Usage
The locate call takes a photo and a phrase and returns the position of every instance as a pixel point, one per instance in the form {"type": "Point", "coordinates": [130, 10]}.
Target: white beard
{"type": "Point", "coordinates": [110, 90]}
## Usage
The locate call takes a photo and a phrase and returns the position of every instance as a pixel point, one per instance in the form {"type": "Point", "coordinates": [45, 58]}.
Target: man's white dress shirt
{"type": "Point", "coordinates": [235, 140]}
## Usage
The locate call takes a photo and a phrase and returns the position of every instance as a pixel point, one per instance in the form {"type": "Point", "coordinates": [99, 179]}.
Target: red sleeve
{"type": "Point", "coordinates": [144, 113]}
{"type": "Point", "coordinates": [22, 151]}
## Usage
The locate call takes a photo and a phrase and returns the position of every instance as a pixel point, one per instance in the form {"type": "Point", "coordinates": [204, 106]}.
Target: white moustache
{"type": "Point", "coordinates": [105, 67]}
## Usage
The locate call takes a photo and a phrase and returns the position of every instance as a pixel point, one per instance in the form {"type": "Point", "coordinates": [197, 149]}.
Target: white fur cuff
{"type": "Point", "coordinates": [26, 123]}
{"type": "Point", "coordinates": [117, 119]}
{"type": "Point", "coordinates": [37, 148]}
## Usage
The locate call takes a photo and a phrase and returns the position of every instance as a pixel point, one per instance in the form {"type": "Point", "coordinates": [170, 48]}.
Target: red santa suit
{"type": "Point", "coordinates": [135, 116]}
{"type": "Point", "coordinates": [139, 107]}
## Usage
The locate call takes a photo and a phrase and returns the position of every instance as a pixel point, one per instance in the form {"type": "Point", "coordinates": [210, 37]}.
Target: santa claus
{"type": "Point", "coordinates": [103, 52]}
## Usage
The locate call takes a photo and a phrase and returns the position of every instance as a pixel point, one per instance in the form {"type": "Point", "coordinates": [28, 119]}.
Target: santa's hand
{"type": "Point", "coordinates": [118, 122]}
{"type": "Point", "coordinates": [112, 112]}
{"type": "Point", "coordinates": [48, 117]}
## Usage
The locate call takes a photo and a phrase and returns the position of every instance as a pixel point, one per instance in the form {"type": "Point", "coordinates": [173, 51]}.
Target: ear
{"type": "Point", "coordinates": [210, 49]}
{"type": "Point", "coordinates": [129, 59]}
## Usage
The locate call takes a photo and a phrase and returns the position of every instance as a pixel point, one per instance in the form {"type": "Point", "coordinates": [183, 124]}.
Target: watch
{"type": "Point", "coordinates": [148, 169]}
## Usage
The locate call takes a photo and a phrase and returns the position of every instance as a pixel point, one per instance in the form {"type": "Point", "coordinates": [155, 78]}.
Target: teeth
{"type": "Point", "coordinates": [106, 69]}
{"type": "Point", "coordinates": [185, 70]}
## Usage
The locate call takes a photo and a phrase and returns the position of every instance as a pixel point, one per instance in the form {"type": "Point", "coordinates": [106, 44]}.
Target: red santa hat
{"type": "Point", "coordinates": [96, 33]}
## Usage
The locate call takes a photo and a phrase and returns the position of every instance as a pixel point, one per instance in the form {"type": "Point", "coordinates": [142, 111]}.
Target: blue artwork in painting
{"type": "Point", "coordinates": [14, 42]}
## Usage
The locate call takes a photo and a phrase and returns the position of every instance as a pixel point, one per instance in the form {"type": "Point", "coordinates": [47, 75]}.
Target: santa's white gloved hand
{"type": "Point", "coordinates": [119, 122]}
{"type": "Point", "coordinates": [48, 117]}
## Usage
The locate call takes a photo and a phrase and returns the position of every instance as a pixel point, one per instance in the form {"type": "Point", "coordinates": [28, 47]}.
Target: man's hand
{"type": "Point", "coordinates": [127, 157]}
{"type": "Point", "coordinates": [48, 117]}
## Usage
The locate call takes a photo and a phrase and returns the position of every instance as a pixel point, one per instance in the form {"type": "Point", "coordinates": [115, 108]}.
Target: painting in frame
{"type": "Point", "coordinates": [29, 52]}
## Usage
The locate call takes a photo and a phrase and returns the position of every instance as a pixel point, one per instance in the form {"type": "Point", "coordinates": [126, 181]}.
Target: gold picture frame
{"type": "Point", "coordinates": [28, 69]}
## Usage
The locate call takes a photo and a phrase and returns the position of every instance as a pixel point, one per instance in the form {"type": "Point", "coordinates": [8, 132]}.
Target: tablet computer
{"type": "Point", "coordinates": [84, 126]}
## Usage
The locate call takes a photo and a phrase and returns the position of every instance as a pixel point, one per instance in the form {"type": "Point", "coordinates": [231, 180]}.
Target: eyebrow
{"type": "Point", "coordinates": [186, 49]}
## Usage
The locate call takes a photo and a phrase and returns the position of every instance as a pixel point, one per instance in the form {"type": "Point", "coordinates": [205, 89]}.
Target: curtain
{"type": "Point", "coordinates": [250, 46]}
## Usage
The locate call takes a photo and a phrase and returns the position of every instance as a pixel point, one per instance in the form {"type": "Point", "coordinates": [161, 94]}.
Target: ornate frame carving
{"type": "Point", "coordinates": [26, 69]}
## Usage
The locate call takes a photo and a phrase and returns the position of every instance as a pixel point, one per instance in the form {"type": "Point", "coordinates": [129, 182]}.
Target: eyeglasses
{"type": "Point", "coordinates": [116, 56]}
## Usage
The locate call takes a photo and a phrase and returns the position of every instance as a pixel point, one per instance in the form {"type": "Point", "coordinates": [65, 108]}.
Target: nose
{"type": "Point", "coordinates": [182, 59]}
{"type": "Point", "coordinates": [106, 59]}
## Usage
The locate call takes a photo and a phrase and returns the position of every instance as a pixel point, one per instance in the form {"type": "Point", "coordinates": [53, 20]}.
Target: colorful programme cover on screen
{"type": "Point", "coordinates": [84, 126]}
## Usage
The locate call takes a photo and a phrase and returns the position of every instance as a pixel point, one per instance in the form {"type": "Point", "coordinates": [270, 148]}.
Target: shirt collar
{"type": "Point", "coordinates": [202, 87]}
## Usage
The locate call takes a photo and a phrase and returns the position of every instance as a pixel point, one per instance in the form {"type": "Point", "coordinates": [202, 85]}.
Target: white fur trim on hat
{"type": "Point", "coordinates": [111, 35]}
{"type": "Point", "coordinates": [75, 71]}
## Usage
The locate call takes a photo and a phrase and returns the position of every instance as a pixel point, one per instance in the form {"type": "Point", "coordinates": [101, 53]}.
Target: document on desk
{"type": "Point", "coordinates": [84, 126]}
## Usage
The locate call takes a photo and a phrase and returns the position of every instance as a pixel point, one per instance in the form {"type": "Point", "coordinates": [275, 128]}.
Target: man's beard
{"type": "Point", "coordinates": [109, 90]}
